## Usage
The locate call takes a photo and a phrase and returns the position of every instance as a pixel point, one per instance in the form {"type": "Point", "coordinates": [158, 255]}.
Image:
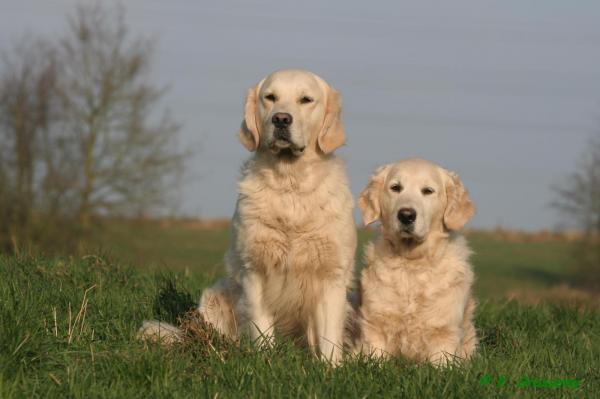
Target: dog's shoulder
{"type": "Point", "coordinates": [380, 263]}
{"type": "Point", "coordinates": [458, 249]}
{"type": "Point", "coordinates": [456, 259]}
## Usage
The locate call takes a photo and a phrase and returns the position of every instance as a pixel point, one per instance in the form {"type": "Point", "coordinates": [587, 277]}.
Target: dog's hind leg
{"type": "Point", "coordinates": [217, 307]}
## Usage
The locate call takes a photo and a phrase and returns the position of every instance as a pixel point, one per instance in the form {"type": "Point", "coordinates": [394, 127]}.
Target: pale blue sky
{"type": "Point", "coordinates": [504, 92]}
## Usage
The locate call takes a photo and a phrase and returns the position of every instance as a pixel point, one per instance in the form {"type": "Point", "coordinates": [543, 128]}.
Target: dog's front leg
{"type": "Point", "coordinates": [259, 319]}
{"type": "Point", "coordinates": [330, 318]}
{"type": "Point", "coordinates": [443, 346]}
{"type": "Point", "coordinates": [374, 342]}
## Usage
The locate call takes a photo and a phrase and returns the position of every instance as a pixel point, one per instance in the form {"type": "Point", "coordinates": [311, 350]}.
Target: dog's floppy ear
{"type": "Point", "coordinates": [249, 132]}
{"type": "Point", "coordinates": [368, 200]}
{"type": "Point", "coordinates": [332, 134]}
{"type": "Point", "coordinates": [459, 209]}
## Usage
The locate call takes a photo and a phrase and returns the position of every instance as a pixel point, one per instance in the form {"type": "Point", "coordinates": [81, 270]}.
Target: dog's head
{"type": "Point", "coordinates": [290, 113]}
{"type": "Point", "coordinates": [413, 198]}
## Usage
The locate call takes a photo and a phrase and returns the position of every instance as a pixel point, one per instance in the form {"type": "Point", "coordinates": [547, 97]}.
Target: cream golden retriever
{"type": "Point", "coordinates": [416, 287]}
{"type": "Point", "coordinates": [291, 258]}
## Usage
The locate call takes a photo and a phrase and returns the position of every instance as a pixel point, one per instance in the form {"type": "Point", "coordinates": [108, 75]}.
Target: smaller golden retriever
{"type": "Point", "coordinates": [416, 286]}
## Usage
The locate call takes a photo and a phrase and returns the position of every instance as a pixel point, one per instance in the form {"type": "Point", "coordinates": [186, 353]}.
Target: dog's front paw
{"type": "Point", "coordinates": [442, 359]}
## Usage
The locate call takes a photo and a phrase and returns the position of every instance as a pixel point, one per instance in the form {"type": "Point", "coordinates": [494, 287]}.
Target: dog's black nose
{"type": "Point", "coordinates": [282, 119]}
{"type": "Point", "coordinates": [407, 215]}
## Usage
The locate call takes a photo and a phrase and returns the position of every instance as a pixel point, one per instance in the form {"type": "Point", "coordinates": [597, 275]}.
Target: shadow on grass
{"type": "Point", "coordinates": [499, 338]}
{"type": "Point", "coordinates": [171, 302]}
{"type": "Point", "coordinates": [541, 276]}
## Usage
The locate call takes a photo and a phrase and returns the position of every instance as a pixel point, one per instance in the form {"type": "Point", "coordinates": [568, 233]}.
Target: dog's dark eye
{"type": "Point", "coordinates": [396, 188]}
{"type": "Point", "coordinates": [306, 100]}
{"type": "Point", "coordinates": [427, 191]}
{"type": "Point", "coordinates": [271, 97]}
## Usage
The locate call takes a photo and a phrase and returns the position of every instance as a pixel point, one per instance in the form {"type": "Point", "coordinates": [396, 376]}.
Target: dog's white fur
{"type": "Point", "coordinates": [158, 331]}
{"type": "Point", "coordinates": [416, 287]}
{"type": "Point", "coordinates": [291, 258]}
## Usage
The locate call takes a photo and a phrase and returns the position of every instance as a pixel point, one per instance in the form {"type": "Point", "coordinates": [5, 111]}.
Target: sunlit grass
{"type": "Point", "coordinates": [68, 330]}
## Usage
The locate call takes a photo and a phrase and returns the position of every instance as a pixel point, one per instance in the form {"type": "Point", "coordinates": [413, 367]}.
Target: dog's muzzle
{"type": "Point", "coordinates": [407, 218]}
{"type": "Point", "coordinates": [282, 134]}
{"type": "Point", "coordinates": [282, 143]}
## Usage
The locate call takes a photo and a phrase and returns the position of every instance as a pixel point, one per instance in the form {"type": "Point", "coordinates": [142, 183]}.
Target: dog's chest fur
{"type": "Point", "coordinates": [286, 224]}
{"type": "Point", "coordinates": [396, 290]}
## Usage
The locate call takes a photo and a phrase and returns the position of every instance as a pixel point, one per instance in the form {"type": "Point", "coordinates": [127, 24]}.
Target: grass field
{"type": "Point", "coordinates": [67, 329]}
{"type": "Point", "coordinates": [500, 265]}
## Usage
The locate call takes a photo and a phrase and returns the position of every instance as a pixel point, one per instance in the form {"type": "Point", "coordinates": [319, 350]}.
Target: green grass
{"type": "Point", "coordinates": [46, 350]}
{"type": "Point", "coordinates": [506, 265]}
{"type": "Point", "coordinates": [67, 328]}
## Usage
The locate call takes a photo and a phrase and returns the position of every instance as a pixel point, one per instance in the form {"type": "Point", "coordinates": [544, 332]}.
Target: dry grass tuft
{"type": "Point", "coordinates": [199, 335]}
{"type": "Point", "coordinates": [562, 294]}
{"type": "Point", "coordinates": [502, 234]}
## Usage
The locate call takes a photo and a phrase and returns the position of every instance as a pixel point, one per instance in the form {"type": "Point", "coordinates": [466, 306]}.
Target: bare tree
{"type": "Point", "coordinates": [579, 199]}
{"type": "Point", "coordinates": [128, 156]}
{"type": "Point", "coordinates": [27, 84]}
{"type": "Point", "coordinates": [81, 132]}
